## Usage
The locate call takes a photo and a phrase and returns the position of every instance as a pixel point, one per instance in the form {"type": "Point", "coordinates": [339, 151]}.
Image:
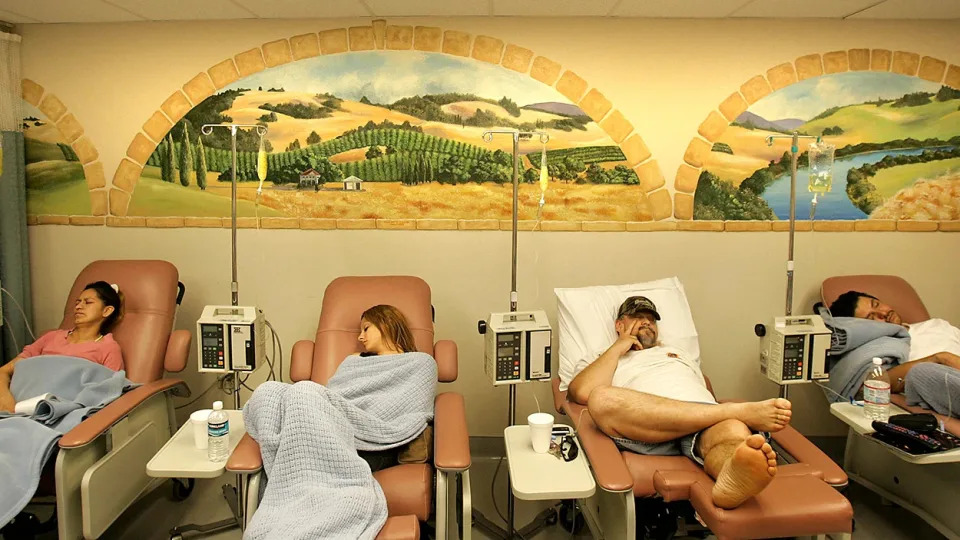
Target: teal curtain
{"type": "Point", "coordinates": [14, 257]}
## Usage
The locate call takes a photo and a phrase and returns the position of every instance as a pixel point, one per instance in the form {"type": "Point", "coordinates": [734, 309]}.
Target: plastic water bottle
{"type": "Point", "coordinates": [218, 433]}
{"type": "Point", "coordinates": [876, 393]}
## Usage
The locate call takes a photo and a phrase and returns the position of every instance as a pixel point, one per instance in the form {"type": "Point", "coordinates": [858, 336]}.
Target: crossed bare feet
{"type": "Point", "coordinates": [768, 415]}
{"type": "Point", "coordinates": [751, 467]}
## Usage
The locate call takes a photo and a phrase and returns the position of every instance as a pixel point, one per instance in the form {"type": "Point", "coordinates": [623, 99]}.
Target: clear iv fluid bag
{"type": "Point", "coordinates": [821, 167]}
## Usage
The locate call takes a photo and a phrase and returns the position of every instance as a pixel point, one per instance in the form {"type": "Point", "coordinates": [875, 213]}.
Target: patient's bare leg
{"type": "Point", "coordinates": [620, 412]}
{"type": "Point", "coordinates": [742, 464]}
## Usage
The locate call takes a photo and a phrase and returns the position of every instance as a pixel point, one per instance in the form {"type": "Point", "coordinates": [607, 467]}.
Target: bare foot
{"type": "Point", "coordinates": [768, 415]}
{"type": "Point", "coordinates": [752, 466]}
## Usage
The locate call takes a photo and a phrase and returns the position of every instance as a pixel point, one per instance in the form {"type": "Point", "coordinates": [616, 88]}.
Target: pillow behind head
{"type": "Point", "coordinates": [586, 315]}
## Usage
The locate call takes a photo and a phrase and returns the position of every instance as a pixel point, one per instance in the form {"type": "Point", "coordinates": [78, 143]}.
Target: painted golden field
{"type": "Point", "coordinates": [564, 202]}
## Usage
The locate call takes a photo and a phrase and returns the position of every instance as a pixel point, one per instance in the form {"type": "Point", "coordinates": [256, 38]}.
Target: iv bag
{"type": "Point", "coordinates": [262, 162]}
{"type": "Point", "coordinates": [544, 177]}
{"type": "Point", "coordinates": [820, 158]}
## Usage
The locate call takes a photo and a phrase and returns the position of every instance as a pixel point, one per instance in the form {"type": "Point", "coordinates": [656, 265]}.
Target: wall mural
{"type": "Point", "coordinates": [54, 175]}
{"type": "Point", "coordinates": [392, 134]}
{"type": "Point", "coordinates": [897, 157]}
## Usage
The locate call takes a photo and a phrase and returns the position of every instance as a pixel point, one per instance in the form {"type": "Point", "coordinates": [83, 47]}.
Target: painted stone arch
{"type": "Point", "coordinates": [382, 36]}
{"type": "Point", "coordinates": [71, 131]}
{"type": "Point", "coordinates": [783, 75]}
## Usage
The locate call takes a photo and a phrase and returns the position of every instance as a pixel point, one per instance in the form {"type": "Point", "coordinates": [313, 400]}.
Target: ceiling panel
{"type": "Point", "coordinates": [179, 10]}
{"type": "Point", "coordinates": [60, 11]}
{"type": "Point", "coordinates": [685, 9]}
{"type": "Point", "coordinates": [12, 17]}
{"type": "Point", "coordinates": [302, 9]}
{"type": "Point", "coordinates": [413, 8]}
{"type": "Point", "coordinates": [553, 8]}
{"type": "Point", "coordinates": [812, 9]}
{"type": "Point", "coordinates": [913, 9]}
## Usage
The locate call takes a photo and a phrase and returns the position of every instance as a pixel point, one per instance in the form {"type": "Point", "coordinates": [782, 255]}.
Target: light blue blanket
{"type": "Point", "coordinates": [80, 388]}
{"type": "Point", "coordinates": [309, 435]}
{"type": "Point", "coordinates": [853, 346]}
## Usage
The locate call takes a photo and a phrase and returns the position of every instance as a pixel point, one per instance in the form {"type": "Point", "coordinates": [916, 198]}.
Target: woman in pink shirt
{"type": "Point", "coordinates": [96, 312]}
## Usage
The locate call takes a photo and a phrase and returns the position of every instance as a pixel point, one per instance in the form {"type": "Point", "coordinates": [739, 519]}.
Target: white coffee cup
{"type": "Point", "coordinates": [541, 426]}
{"type": "Point", "coordinates": [198, 420]}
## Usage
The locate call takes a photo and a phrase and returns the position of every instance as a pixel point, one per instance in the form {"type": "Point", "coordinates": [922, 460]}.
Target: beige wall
{"type": "Point", "coordinates": [664, 75]}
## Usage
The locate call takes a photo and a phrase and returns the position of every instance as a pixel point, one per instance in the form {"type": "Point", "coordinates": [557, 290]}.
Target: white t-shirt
{"type": "Point", "coordinates": [931, 337]}
{"type": "Point", "coordinates": [664, 371]}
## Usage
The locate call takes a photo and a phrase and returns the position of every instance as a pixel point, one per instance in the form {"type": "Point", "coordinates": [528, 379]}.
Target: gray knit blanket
{"type": "Point", "coordinates": [79, 388]}
{"type": "Point", "coordinates": [309, 435]}
{"type": "Point", "coordinates": [853, 346]}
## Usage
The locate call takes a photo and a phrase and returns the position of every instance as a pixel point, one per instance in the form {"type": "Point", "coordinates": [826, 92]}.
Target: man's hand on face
{"type": "Point", "coordinates": [628, 335]}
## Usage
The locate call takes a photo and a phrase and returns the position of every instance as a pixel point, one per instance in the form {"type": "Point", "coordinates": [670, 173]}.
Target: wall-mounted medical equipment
{"type": "Point", "coordinates": [230, 338]}
{"type": "Point", "coordinates": [794, 349]}
{"type": "Point", "coordinates": [517, 346]}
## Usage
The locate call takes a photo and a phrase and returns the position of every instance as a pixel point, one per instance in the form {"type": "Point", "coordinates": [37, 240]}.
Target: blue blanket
{"type": "Point", "coordinates": [309, 435]}
{"type": "Point", "coordinates": [853, 346]}
{"type": "Point", "coordinates": [79, 387]}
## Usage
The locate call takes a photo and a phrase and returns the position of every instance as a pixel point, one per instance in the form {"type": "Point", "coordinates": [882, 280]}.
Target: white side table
{"type": "Point", "coordinates": [860, 426]}
{"type": "Point", "coordinates": [536, 477]}
{"type": "Point", "coordinates": [180, 458]}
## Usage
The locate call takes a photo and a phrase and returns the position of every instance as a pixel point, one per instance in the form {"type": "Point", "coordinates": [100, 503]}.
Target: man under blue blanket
{"type": "Point", "coordinates": [931, 376]}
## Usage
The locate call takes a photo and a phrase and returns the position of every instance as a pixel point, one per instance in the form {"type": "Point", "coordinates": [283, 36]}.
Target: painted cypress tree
{"type": "Point", "coordinates": [186, 158]}
{"type": "Point", "coordinates": [169, 160]}
{"type": "Point", "coordinates": [164, 164]}
{"type": "Point", "coordinates": [201, 165]}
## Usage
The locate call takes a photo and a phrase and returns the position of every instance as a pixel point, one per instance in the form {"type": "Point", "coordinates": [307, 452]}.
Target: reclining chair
{"type": "Point", "coordinates": [924, 489]}
{"type": "Point", "coordinates": [802, 500]}
{"type": "Point", "coordinates": [100, 468]}
{"type": "Point", "coordinates": [409, 488]}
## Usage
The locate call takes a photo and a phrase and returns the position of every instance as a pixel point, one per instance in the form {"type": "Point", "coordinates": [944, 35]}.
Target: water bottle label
{"type": "Point", "coordinates": [876, 392]}
{"type": "Point", "coordinates": [218, 430]}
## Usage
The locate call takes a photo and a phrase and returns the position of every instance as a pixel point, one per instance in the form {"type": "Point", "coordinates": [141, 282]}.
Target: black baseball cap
{"type": "Point", "coordinates": [637, 304]}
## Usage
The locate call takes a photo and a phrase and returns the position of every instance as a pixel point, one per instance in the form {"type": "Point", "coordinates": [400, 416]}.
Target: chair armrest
{"type": "Point", "coordinates": [301, 361]}
{"type": "Point", "coordinates": [178, 349]}
{"type": "Point", "coordinates": [105, 418]}
{"type": "Point", "coordinates": [451, 442]}
{"type": "Point", "coordinates": [604, 456]}
{"type": "Point", "coordinates": [400, 528]}
{"type": "Point", "coordinates": [246, 457]}
{"type": "Point", "coordinates": [804, 451]}
{"type": "Point", "coordinates": [445, 353]}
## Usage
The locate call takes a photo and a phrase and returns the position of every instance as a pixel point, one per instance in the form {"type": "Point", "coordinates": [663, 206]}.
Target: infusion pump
{"type": "Point", "coordinates": [794, 349]}
{"type": "Point", "coordinates": [231, 338]}
{"type": "Point", "coordinates": [517, 346]}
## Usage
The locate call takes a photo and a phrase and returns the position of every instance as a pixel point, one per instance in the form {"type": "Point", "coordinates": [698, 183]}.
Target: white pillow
{"type": "Point", "coordinates": [586, 315]}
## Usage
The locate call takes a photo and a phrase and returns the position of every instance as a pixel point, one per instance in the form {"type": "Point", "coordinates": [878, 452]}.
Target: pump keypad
{"type": "Point", "coordinates": [508, 356]}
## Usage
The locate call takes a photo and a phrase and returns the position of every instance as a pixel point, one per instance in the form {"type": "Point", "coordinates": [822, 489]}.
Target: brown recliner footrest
{"type": "Point", "coordinates": [400, 528]}
{"type": "Point", "coordinates": [796, 503]}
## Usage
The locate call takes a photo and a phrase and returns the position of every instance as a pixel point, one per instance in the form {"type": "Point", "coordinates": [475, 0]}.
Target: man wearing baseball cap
{"type": "Point", "coordinates": [651, 398]}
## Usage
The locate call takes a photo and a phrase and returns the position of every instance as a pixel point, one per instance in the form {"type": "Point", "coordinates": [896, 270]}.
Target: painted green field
{"type": "Point", "coordinates": [57, 187]}
{"type": "Point", "coordinates": [890, 181]}
{"type": "Point", "coordinates": [153, 197]}
{"type": "Point", "coordinates": [870, 123]}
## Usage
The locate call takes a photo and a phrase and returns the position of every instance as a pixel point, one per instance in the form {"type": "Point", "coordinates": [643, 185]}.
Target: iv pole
{"type": "Point", "coordinates": [235, 497]}
{"type": "Point", "coordinates": [794, 149]}
{"type": "Point", "coordinates": [512, 403]}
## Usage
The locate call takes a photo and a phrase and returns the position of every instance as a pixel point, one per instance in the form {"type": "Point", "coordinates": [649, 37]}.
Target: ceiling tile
{"type": "Point", "coordinates": [553, 8]}
{"type": "Point", "coordinates": [912, 9]}
{"type": "Point", "coordinates": [184, 10]}
{"type": "Point", "coordinates": [808, 9]}
{"type": "Point", "coordinates": [303, 9]}
{"type": "Point", "coordinates": [416, 8]}
{"type": "Point", "coordinates": [71, 11]}
{"type": "Point", "coordinates": [680, 9]}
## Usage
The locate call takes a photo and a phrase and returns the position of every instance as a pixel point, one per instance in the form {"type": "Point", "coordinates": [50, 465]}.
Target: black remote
{"type": "Point", "coordinates": [900, 432]}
